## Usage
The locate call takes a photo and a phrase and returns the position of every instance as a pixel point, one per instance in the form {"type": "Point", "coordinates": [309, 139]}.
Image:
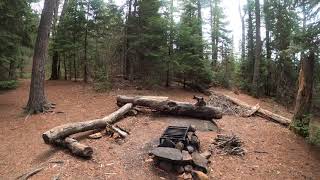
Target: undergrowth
{"type": "Point", "coordinates": [6, 85]}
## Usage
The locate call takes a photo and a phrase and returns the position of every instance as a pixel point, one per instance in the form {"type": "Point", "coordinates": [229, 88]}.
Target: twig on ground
{"type": "Point", "coordinates": [36, 170]}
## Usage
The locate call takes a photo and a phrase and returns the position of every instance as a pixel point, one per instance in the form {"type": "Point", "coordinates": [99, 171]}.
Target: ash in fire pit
{"type": "Point", "coordinates": [179, 151]}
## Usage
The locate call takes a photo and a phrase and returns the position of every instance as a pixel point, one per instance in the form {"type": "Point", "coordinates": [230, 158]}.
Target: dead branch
{"type": "Point", "coordinates": [65, 130]}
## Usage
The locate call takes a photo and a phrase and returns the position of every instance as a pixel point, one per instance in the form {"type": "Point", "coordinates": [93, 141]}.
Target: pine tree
{"type": "Point", "coordinates": [37, 101]}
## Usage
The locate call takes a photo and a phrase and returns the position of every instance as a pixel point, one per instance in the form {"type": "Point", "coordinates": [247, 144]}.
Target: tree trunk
{"type": "Point", "coordinates": [304, 95]}
{"type": "Point", "coordinates": [127, 42]}
{"type": "Point", "coordinates": [243, 35]}
{"type": "Point", "coordinates": [12, 70]}
{"type": "Point", "coordinates": [65, 67]}
{"type": "Point", "coordinates": [75, 147]}
{"type": "Point", "coordinates": [172, 107]}
{"type": "Point", "coordinates": [268, 47]}
{"type": "Point", "coordinates": [85, 70]}
{"type": "Point", "coordinates": [200, 26]}
{"type": "Point", "coordinates": [250, 40]}
{"type": "Point", "coordinates": [256, 72]}
{"type": "Point", "coordinates": [37, 100]}
{"type": "Point", "coordinates": [54, 66]}
{"type": "Point", "coordinates": [65, 130]}
{"type": "Point", "coordinates": [170, 45]}
{"type": "Point", "coordinates": [213, 64]}
{"type": "Point", "coordinates": [55, 57]}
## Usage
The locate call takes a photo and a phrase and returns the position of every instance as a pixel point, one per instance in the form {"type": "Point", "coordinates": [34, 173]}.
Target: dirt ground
{"type": "Point", "coordinates": [286, 156]}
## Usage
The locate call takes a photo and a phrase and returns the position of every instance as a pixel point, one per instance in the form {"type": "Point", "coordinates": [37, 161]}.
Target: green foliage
{"type": "Point", "coordinates": [191, 65]}
{"type": "Point", "coordinates": [6, 85]}
{"type": "Point", "coordinates": [315, 137]}
{"type": "Point", "coordinates": [17, 30]}
{"type": "Point", "coordinates": [101, 80]}
{"type": "Point", "coordinates": [91, 34]}
{"type": "Point", "coordinates": [301, 126]}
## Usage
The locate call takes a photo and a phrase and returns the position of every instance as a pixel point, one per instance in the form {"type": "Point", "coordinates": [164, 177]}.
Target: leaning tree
{"type": "Point", "coordinates": [37, 100]}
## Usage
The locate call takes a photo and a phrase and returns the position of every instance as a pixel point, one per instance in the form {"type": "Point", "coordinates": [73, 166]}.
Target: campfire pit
{"type": "Point", "coordinates": [176, 134]}
{"type": "Point", "coordinates": [179, 151]}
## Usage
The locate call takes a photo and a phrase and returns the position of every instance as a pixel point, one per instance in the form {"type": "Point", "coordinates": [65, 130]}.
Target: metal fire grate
{"type": "Point", "coordinates": [175, 134]}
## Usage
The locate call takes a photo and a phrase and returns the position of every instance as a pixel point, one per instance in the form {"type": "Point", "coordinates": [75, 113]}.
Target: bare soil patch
{"type": "Point", "coordinates": [286, 156]}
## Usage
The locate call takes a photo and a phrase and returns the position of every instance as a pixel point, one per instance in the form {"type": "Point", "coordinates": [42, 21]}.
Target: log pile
{"type": "Point", "coordinates": [233, 106]}
{"type": "Point", "coordinates": [228, 144]}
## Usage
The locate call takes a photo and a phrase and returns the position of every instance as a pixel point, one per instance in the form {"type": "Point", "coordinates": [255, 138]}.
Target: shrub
{"type": "Point", "coordinates": [6, 85]}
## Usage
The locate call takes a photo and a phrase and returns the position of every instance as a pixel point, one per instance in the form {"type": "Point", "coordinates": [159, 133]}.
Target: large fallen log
{"type": "Point", "coordinates": [75, 147]}
{"type": "Point", "coordinates": [261, 112]}
{"type": "Point", "coordinates": [61, 132]}
{"type": "Point", "coordinates": [163, 105]}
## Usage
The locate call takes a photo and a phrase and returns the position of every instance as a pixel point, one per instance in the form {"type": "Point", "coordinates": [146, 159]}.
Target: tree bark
{"type": "Point", "coordinates": [243, 35]}
{"type": "Point", "coordinates": [200, 25]}
{"type": "Point", "coordinates": [163, 105]}
{"type": "Point", "coordinates": [250, 40]}
{"type": "Point", "coordinates": [55, 57]}
{"type": "Point", "coordinates": [65, 67]}
{"type": "Point", "coordinates": [268, 47]}
{"type": "Point", "coordinates": [85, 70]}
{"type": "Point", "coordinates": [304, 94]}
{"type": "Point", "coordinates": [54, 66]}
{"type": "Point", "coordinates": [65, 130]}
{"type": "Point", "coordinates": [37, 100]}
{"type": "Point", "coordinates": [12, 70]}
{"type": "Point", "coordinates": [170, 48]}
{"type": "Point", "coordinates": [256, 72]}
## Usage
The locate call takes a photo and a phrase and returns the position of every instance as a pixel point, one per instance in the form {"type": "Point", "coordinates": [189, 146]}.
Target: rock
{"type": "Point", "coordinates": [206, 154]}
{"type": "Point", "coordinates": [188, 168]}
{"type": "Point", "coordinates": [195, 141]}
{"type": "Point", "coordinates": [95, 135]}
{"type": "Point", "coordinates": [166, 166]}
{"type": "Point", "coordinates": [189, 135]}
{"type": "Point", "coordinates": [180, 146]}
{"type": "Point", "coordinates": [200, 162]}
{"type": "Point", "coordinates": [179, 169]}
{"type": "Point", "coordinates": [186, 157]}
{"type": "Point", "coordinates": [198, 175]}
{"type": "Point", "coordinates": [166, 153]}
{"type": "Point", "coordinates": [167, 143]}
{"type": "Point", "coordinates": [190, 149]}
{"type": "Point", "coordinates": [192, 128]}
{"type": "Point", "coordinates": [185, 176]}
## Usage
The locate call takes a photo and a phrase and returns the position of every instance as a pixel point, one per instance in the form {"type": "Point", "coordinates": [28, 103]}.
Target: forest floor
{"type": "Point", "coordinates": [286, 156]}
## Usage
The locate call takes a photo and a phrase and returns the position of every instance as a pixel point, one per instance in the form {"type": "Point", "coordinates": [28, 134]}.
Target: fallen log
{"type": "Point", "coordinates": [163, 105]}
{"type": "Point", "coordinates": [148, 101]}
{"type": "Point", "coordinates": [116, 129]}
{"type": "Point", "coordinates": [75, 147]}
{"type": "Point", "coordinates": [261, 112]}
{"type": "Point", "coordinates": [61, 132]}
